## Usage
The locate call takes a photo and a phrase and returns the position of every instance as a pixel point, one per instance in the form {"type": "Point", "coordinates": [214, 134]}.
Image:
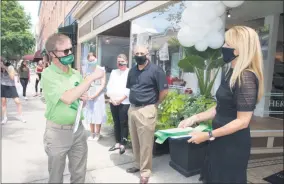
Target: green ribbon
{"type": "Point", "coordinates": [163, 135]}
{"type": "Point", "coordinates": [75, 104]}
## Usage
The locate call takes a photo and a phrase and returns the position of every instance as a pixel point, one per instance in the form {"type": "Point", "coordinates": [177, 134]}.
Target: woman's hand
{"type": "Point", "coordinates": [198, 137]}
{"type": "Point", "coordinates": [188, 122]}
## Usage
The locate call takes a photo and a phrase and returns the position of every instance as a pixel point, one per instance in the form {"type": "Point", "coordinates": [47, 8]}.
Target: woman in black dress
{"type": "Point", "coordinates": [240, 90]}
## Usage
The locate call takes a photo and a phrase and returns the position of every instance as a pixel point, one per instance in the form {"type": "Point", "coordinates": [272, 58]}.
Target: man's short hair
{"type": "Point", "coordinates": [53, 40]}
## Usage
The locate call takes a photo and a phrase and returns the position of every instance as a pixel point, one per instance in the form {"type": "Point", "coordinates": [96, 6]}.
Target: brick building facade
{"type": "Point", "coordinates": [52, 15]}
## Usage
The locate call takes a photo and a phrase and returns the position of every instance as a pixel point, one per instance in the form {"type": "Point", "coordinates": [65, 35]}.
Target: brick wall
{"type": "Point", "coordinates": [51, 15]}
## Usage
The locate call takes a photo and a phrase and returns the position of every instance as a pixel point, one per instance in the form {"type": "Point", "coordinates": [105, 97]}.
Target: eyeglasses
{"type": "Point", "coordinates": [66, 51]}
{"type": "Point", "coordinates": [140, 54]}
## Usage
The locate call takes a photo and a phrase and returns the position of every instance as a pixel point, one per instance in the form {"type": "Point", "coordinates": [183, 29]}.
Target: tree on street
{"type": "Point", "coordinates": [16, 37]}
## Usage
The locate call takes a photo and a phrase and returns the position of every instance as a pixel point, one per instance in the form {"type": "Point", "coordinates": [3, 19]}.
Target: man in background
{"type": "Point", "coordinates": [148, 88]}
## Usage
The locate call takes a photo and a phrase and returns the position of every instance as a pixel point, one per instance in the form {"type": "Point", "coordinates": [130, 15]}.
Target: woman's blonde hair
{"type": "Point", "coordinates": [246, 41]}
{"type": "Point", "coordinates": [122, 56]}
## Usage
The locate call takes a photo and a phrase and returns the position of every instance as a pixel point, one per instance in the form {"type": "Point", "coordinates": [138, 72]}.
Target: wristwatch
{"type": "Point", "coordinates": [211, 137]}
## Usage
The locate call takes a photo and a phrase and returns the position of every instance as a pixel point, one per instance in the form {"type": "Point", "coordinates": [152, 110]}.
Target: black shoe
{"type": "Point", "coordinates": [113, 148]}
{"type": "Point", "coordinates": [132, 170]}
{"type": "Point", "coordinates": [122, 150]}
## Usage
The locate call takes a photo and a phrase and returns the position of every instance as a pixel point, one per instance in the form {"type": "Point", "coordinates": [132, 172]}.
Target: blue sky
{"type": "Point", "coordinates": [31, 7]}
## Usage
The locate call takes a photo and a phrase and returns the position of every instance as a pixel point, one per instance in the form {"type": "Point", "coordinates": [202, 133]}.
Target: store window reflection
{"type": "Point", "coordinates": [156, 31]}
{"type": "Point", "coordinates": [277, 99]}
{"type": "Point", "coordinates": [87, 47]}
{"type": "Point", "coordinates": [109, 47]}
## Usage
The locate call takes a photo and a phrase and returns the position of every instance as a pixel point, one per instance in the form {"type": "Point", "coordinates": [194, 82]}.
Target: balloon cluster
{"type": "Point", "coordinates": [201, 24]}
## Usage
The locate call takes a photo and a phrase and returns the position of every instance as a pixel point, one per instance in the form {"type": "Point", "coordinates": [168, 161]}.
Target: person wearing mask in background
{"type": "Point", "coordinates": [148, 88]}
{"type": "Point", "coordinates": [24, 77]}
{"type": "Point", "coordinates": [240, 90]}
{"type": "Point", "coordinates": [63, 87]}
{"type": "Point", "coordinates": [8, 90]}
{"type": "Point", "coordinates": [119, 102]}
{"type": "Point", "coordinates": [95, 108]}
{"type": "Point", "coordinates": [39, 70]}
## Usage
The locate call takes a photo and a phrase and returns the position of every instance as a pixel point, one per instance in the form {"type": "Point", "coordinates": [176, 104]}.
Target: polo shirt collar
{"type": "Point", "coordinates": [145, 68]}
{"type": "Point", "coordinates": [58, 70]}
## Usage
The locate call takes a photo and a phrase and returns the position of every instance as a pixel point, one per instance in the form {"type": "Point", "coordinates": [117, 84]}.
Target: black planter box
{"type": "Point", "coordinates": [187, 158]}
{"type": "Point", "coordinates": [161, 149]}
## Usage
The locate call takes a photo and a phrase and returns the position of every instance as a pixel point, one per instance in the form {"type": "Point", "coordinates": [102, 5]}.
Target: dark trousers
{"type": "Point", "coordinates": [24, 83]}
{"type": "Point", "coordinates": [37, 81]}
{"type": "Point", "coordinates": [120, 118]}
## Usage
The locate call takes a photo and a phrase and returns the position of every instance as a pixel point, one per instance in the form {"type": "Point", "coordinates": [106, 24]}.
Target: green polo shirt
{"type": "Point", "coordinates": [54, 83]}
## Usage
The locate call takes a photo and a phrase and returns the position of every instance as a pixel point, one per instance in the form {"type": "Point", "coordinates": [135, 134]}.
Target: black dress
{"type": "Point", "coordinates": [228, 156]}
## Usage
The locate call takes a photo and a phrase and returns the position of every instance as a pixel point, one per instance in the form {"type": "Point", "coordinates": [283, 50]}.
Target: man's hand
{"type": "Point", "coordinates": [84, 97]}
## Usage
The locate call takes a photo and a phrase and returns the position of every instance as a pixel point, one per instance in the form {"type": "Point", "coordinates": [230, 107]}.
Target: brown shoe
{"type": "Point", "coordinates": [144, 180]}
{"type": "Point", "coordinates": [132, 170]}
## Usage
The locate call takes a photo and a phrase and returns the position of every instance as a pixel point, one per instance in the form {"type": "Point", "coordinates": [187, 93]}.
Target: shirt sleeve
{"type": "Point", "coordinates": [161, 79]}
{"type": "Point", "coordinates": [52, 88]}
{"type": "Point", "coordinates": [246, 94]}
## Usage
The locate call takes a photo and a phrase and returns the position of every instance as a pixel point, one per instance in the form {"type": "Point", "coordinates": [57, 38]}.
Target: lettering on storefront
{"type": "Point", "coordinates": [276, 103]}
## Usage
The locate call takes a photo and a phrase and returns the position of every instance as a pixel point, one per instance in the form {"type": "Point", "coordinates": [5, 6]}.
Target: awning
{"type": "Point", "coordinates": [28, 57]}
{"type": "Point", "coordinates": [38, 55]}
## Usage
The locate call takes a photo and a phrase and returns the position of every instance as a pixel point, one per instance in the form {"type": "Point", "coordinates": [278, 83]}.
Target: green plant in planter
{"type": "Point", "coordinates": [197, 105]}
{"type": "Point", "coordinates": [202, 64]}
{"type": "Point", "coordinates": [109, 115]}
{"type": "Point", "coordinates": [169, 112]}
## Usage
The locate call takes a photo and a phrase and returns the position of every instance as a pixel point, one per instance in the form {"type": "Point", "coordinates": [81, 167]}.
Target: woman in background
{"type": "Point", "coordinates": [39, 70]}
{"type": "Point", "coordinates": [240, 90]}
{"type": "Point", "coordinates": [8, 90]}
{"type": "Point", "coordinates": [95, 108]}
{"type": "Point", "coordinates": [24, 77]}
{"type": "Point", "coordinates": [119, 102]}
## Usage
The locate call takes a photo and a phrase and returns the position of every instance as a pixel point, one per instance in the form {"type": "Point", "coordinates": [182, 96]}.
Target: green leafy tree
{"type": "Point", "coordinates": [16, 37]}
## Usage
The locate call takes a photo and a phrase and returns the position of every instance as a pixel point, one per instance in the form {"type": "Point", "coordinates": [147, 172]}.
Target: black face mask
{"type": "Point", "coordinates": [228, 54]}
{"type": "Point", "coordinates": [140, 60]}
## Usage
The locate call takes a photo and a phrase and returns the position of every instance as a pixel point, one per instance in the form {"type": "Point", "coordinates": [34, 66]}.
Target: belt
{"type": "Point", "coordinates": [57, 126]}
{"type": "Point", "coordinates": [141, 105]}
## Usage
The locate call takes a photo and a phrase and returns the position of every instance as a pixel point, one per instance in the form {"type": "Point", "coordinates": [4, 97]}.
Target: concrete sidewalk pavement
{"type": "Point", "coordinates": [24, 159]}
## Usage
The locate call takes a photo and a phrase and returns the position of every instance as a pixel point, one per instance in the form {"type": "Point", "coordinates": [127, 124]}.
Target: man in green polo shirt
{"type": "Point", "coordinates": [63, 89]}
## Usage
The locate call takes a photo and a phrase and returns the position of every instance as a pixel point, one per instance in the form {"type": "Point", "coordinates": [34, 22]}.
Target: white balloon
{"type": "Point", "coordinates": [215, 40]}
{"type": "Point", "coordinates": [220, 9]}
{"type": "Point", "coordinates": [201, 45]}
{"type": "Point", "coordinates": [183, 38]}
{"type": "Point", "coordinates": [198, 16]}
{"type": "Point", "coordinates": [232, 4]}
{"type": "Point", "coordinates": [217, 25]}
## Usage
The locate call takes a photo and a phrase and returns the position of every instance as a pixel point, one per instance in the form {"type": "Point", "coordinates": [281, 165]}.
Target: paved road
{"type": "Point", "coordinates": [24, 159]}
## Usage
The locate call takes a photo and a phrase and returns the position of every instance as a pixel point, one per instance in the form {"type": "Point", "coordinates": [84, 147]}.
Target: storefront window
{"type": "Point", "coordinates": [109, 47]}
{"type": "Point", "coordinates": [156, 31]}
{"type": "Point", "coordinates": [87, 47]}
{"type": "Point", "coordinates": [276, 103]}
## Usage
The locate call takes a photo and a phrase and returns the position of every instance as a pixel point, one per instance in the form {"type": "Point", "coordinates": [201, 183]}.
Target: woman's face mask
{"type": "Point", "coordinates": [122, 65]}
{"type": "Point", "coordinates": [228, 54]}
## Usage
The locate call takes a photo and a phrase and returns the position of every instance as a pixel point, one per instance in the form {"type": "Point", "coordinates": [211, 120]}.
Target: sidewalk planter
{"type": "Point", "coordinates": [187, 158]}
{"type": "Point", "coordinates": [161, 149]}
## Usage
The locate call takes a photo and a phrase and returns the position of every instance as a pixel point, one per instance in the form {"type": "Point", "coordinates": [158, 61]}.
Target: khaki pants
{"type": "Point", "coordinates": [142, 123]}
{"type": "Point", "coordinates": [59, 142]}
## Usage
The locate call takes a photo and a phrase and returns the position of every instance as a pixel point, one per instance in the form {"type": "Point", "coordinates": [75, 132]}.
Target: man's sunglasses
{"type": "Point", "coordinates": [66, 51]}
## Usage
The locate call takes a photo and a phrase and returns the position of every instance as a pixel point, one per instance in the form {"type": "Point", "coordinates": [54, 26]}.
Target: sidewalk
{"type": "Point", "coordinates": [24, 159]}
